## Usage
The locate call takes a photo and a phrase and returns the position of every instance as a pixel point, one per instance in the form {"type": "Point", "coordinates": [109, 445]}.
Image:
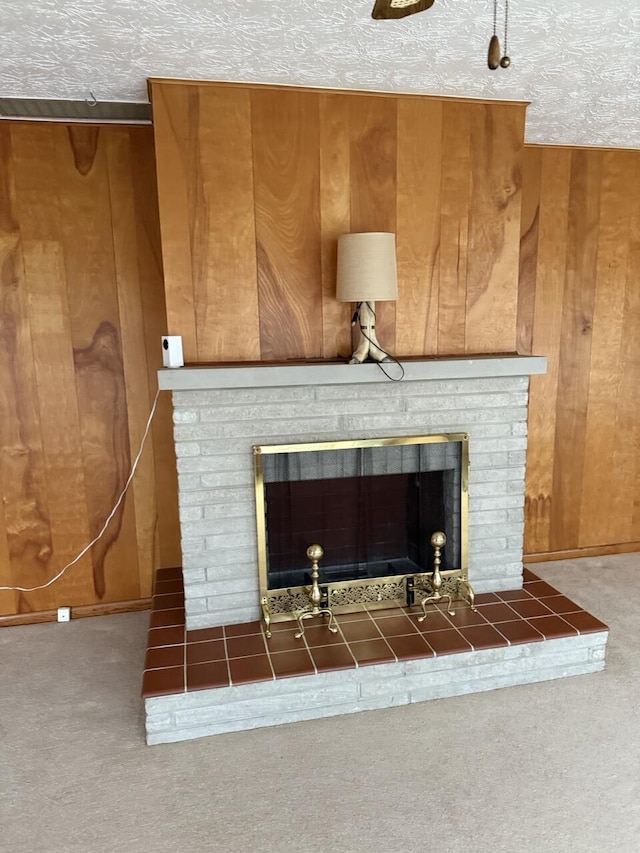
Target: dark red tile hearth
{"type": "Point", "coordinates": [298, 662]}
{"type": "Point", "coordinates": [483, 637]}
{"type": "Point", "coordinates": [165, 637]}
{"type": "Point", "coordinates": [435, 621]}
{"type": "Point", "coordinates": [528, 576]}
{"type": "Point", "coordinates": [519, 632]}
{"type": "Point", "coordinates": [447, 642]}
{"type": "Point", "coordinates": [243, 629]}
{"type": "Point", "coordinates": [167, 587]}
{"type": "Point", "coordinates": [320, 635]}
{"type": "Point", "coordinates": [170, 574]}
{"type": "Point", "coordinates": [585, 622]}
{"type": "Point", "coordinates": [371, 651]}
{"type": "Point", "coordinates": [486, 598]}
{"type": "Point", "coordinates": [541, 589]}
{"type": "Point", "coordinates": [255, 668]}
{"type": "Point", "coordinates": [211, 650]}
{"type": "Point", "coordinates": [465, 616]}
{"type": "Point", "coordinates": [167, 618]}
{"type": "Point", "coordinates": [328, 658]}
{"type": "Point", "coordinates": [514, 595]}
{"type": "Point", "coordinates": [529, 609]}
{"type": "Point", "coordinates": [361, 630]}
{"type": "Point", "coordinates": [410, 646]}
{"type": "Point", "coordinates": [164, 656]}
{"type": "Point", "coordinates": [395, 626]}
{"type": "Point", "coordinates": [168, 601]}
{"type": "Point", "coordinates": [240, 647]}
{"type": "Point", "coordinates": [497, 612]}
{"type": "Point", "coordinates": [561, 604]}
{"type": "Point", "coordinates": [285, 641]}
{"type": "Point", "coordinates": [205, 676]}
{"type": "Point", "coordinates": [201, 634]}
{"type": "Point", "coordinates": [162, 682]}
{"type": "Point", "coordinates": [552, 626]}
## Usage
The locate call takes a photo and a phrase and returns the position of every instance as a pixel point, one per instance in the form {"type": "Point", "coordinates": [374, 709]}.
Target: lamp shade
{"type": "Point", "coordinates": [367, 267]}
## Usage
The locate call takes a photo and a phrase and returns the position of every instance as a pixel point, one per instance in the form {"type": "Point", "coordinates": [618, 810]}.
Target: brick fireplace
{"type": "Point", "coordinates": [220, 413]}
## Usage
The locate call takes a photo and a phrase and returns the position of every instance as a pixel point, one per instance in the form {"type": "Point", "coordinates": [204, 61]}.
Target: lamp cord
{"type": "Point", "coordinates": [109, 517]}
{"type": "Point", "coordinates": [381, 348]}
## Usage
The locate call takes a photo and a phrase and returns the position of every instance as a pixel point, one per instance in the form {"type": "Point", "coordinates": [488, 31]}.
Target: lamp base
{"type": "Point", "coordinates": [368, 348]}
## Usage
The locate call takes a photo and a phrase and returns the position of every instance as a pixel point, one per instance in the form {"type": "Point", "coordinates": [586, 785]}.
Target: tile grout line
{"type": "Point", "coordinates": [268, 651]}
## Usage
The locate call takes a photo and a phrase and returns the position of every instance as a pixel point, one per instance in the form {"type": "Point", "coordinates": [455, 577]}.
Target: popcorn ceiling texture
{"type": "Point", "coordinates": [578, 63]}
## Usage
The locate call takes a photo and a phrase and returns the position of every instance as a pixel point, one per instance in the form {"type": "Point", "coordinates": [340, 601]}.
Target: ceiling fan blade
{"type": "Point", "coordinates": [391, 9]}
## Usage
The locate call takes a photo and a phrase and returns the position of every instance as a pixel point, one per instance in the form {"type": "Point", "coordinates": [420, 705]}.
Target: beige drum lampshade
{"type": "Point", "coordinates": [367, 267]}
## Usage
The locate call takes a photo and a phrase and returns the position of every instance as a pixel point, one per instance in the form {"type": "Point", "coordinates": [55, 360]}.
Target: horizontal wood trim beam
{"type": "Point", "coordinates": [177, 81]}
{"type": "Point", "coordinates": [592, 551]}
{"type": "Point", "coordinates": [108, 609]}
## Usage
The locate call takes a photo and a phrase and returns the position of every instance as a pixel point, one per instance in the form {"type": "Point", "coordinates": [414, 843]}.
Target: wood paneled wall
{"type": "Point", "coordinates": [256, 183]}
{"type": "Point", "coordinates": [81, 314]}
{"type": "Point", "coordinates": [580, 306]}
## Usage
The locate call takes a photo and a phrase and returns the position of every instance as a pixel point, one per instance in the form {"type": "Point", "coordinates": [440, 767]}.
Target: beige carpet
{"type": "Point", "coordinates": [547, 767]}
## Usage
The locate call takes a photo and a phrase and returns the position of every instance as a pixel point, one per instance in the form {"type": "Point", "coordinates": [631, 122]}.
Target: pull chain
{"type": "Point", "coordinates": [505, 62]}
{"type": "Point", "coordinates": [495, 57]}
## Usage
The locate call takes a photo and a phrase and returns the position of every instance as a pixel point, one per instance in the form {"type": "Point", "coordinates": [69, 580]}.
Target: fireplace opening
{"type": "Point", "coordinates": [372, 505]}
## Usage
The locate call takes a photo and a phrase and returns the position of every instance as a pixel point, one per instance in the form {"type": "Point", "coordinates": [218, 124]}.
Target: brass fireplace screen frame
{"type": "Point", "coordinates": [283, 604]}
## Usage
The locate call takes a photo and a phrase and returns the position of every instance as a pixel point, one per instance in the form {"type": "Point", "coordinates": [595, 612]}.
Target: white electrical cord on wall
{"type": "Point", "coordinates": [109, 517]}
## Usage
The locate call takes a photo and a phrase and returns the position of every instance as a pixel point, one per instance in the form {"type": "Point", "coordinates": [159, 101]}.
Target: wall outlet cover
{"type": "Point", "coordinates": [64, 614]}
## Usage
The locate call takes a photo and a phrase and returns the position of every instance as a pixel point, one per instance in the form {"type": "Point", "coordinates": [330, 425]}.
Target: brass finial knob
{"type": "Point", "coordinates": [315, 552]}
{"type": "Point", "coordinates": [438, 540]}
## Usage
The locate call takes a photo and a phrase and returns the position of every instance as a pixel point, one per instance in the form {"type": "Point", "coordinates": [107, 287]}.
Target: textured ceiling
{"type": "Point", "coordinates": [578, 62]}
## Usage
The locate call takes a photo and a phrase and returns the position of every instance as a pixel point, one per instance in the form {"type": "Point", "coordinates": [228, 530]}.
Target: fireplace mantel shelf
{"type": "Point", "coordinates": [199, 377]}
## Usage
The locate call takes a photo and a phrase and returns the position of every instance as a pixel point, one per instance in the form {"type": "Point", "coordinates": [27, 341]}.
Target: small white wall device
{"type": "Point", "coordinates": [172, 351]}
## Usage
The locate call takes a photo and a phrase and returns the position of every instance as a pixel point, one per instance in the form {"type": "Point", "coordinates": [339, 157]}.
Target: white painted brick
{"type": "Point", "coordinates": [188, 482]}
{"type": "Point", "coordinates": [222, 587]}
{"type": "Point", "coordinates": [298, 411]}
{"type": "Point", "coordinates": [193, 575]}
{"type": "Point", "coordinates": [228, 540]}
{"type": "Point", "coordinates": [231, 616]}
{"type": "Point", "coordinates": [186, 448]}
{"type": "Point", "coordinates": [495, 516]}
{"type": "Point", "coordinates": [223, 571]}
{"type": "Point", "coordinates": [497, 445]}
{"type": "Point", "coordinates": [498, 545]}
{"type": "Point", "coordinates": [217, 479]}
{"type": "Point", "coordinates": [396, 698]}
{"type": "Point", "coordinates": [242, 554]}
{"type": "Point", "coordinates": [235, 396]}
{"type": "Point", "coordinates": [203, 497]}
{"type": "Point", "coordinates": [205, 464]}
{"type": "Point", "coordinates": [478, 474]}
{"type": "Point", "coordinates": [515, 514]}
{"type": "Point", "coordinates": [232, 601]}
{"type": "Point", "coordinates": [446, 421]}
{"type": "Point", "coordinates": [185, 416]}
{"type": "Point", "coordinates": [210, 527]}
{"type": "Point", "coordinates": [191, 513]}
{"type": "Point", "coordinates": [246, 510]}
{"type": "Point", "coordinates": [275, 705]}
{"type": "Point", "coordinates": [195, 606]}
{"type": "Point", "coordinates": [256, 430]}
{"type": "Point", "coordinates": [192, 543]}
{"type": "Point", "coordinates": [467, 402]}
{"type": "Point", "coordinates": [424, 388]}
{"type": "Point", "coordinates": [159, 723]}
{"type": "Point", "coordinates": [489, 531]}
{"type": "Point", "coordinates": [520, 428]}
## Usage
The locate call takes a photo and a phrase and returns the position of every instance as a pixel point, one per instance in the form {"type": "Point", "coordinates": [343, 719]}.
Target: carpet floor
{"type": "Point", "coordinates": [541, 768]}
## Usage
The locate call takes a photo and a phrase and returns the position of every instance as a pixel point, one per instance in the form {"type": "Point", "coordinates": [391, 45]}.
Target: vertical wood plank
{"type": "Point", "coordinates": [81, 164]}
{"type": "Point", "coordinates": [175, 124]}
{"type": "Point", "coordinates": [529, 232]}
{"type": "Point", "coordinates": [418, 223]}
{"type": "Point", "coordinates": [28, 548]}
{"type": "Point", "coordinates": [551, 186]}
{"type": "Point", "coordinates": [454, 228]}
{"type": "Point", "coordinates": [602, 441]}
{"type": "Point", "coordinates": [374, 185]}
{"type": "Point", "coordinates": [494, 228]}
{"type": "Point", "coordinates": [575, 346]}
{"type": "Point", "coordinates": [335, 217]}
{"type": "Point", "coordinates": [287, 197]}
{"type": "Point", "coordinates": [164, 496]}
{"type": "Point", "coordinates": [625, 506]}
{"type": "Point", "coordinates": [223, 228]}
